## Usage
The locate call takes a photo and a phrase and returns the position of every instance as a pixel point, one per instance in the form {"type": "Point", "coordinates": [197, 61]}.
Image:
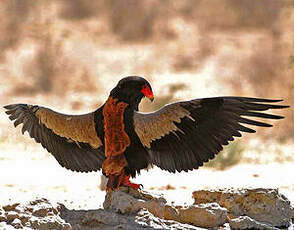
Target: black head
{"type": "Point", "coordinates": [131, 90]}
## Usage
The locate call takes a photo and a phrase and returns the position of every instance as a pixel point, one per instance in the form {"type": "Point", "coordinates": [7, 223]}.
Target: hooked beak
{"type": "Point", "coordinates": [147, 92]}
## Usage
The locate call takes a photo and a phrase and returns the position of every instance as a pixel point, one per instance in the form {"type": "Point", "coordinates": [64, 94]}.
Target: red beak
{"type": "Point", "coordinates": [147, 92]}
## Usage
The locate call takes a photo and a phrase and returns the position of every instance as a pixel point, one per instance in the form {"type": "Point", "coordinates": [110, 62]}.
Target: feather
{"type": "Point", "coordinates": [206, 125]}
{"type": "Point", "coordinates": [84, 158]}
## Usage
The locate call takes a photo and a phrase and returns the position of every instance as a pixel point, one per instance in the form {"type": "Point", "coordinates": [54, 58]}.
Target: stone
{"type": "Point", "coordinates": [202, 215]}
{"type": "Point", "coordinates": [38, 214]}
{"type": "Point", "coordinates": [263, 205]}
{"type": "Point", "coordinates": [49, 222]}
{"type": "Point", "coordinates": [43, 209]}
{"type": "Point", "coordinates": [5, 226]}
{"type": "Point", "coordinates": [16, 223]}
{"type": "Point", "coordinates": [245, 222]}
{"type": "Point", "coordinates": [132, 201]}
{"type": "Point", "coordinates": [109, 220]}
{"type": "Point", "coordinates": [11, 215]}
{"type": "Point", "coordinates": [24, 218]}
{"type": "Point", "coordinates": [10, 207]}
{"type": "Point", "coordinates": [2, 214]}
{"type": "Point", "coordinates": [126, 208]}
{"type": "Point", "coordinates": [144, 217]}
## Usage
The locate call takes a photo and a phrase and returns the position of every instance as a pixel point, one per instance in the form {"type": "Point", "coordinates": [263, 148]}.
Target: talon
{"type": "Point", "coordinates": [127, 183]}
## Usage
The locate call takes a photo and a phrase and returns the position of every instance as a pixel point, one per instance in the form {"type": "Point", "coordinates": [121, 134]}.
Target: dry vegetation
{"type": "Point", "coordinates": [54, 52]}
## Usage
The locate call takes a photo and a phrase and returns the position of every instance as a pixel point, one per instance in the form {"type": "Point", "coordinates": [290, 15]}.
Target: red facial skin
{"type": "Point", "coordinates": [147, 92]}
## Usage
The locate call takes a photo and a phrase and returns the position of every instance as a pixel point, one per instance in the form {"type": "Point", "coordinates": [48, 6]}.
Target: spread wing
{"type": "Point", "coordinates": [181, 136]}
{"type": "Point", "coordinates": [71, 139]}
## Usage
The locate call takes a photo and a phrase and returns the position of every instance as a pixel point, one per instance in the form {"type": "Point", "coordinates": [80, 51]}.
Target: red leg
{"type": "Point", "coordinates": [126, 182]}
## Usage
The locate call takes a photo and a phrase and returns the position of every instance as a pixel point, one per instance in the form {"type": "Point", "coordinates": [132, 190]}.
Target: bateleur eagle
{"type": "Point", "coordinates": [121, 140]}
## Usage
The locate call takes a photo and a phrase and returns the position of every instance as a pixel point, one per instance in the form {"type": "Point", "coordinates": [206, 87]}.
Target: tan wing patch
{"type": "Point", "coordinates": [116, 139]}
{"type": "Point", "coordinates": [79, 128]}
{"type": "Point", "coordinates": [152, 126]}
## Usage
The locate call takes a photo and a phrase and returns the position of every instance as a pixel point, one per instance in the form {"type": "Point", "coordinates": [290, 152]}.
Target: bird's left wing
{"type": "Point", "coordinates": [183, 135]}
{"type": "Point", "coordinates": [71, 139]}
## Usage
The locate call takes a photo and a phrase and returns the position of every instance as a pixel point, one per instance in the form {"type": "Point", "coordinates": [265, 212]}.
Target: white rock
{"type": "Point", "coordinates": [245, 222]}
{"type": "Point", "coordinates": [263, 205]}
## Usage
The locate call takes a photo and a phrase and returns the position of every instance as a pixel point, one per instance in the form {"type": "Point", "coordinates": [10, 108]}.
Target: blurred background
{"type": "Point", "coordinates": [68, 55]}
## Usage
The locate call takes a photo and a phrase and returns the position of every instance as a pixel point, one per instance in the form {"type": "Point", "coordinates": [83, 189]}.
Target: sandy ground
{"type": "Point", "coordinates": [32, 173]}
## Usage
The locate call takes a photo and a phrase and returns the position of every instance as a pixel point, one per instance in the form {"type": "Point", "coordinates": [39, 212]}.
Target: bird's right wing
{"type": "Point", "coordinates": [72, 139]}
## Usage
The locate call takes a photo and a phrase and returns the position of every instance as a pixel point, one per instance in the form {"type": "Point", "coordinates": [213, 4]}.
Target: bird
{"type": "Point", "coordinates": [122, 141]}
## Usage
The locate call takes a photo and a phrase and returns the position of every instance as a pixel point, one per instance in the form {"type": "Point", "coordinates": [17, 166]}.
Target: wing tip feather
{"type": "Point", "coordinates": [8, 107]}
{"type": "Point", "coordinates": [255, 99]}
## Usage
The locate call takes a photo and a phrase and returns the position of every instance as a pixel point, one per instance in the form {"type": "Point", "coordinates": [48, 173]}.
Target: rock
{"type": "Point", "coordinates": [144, 217]}
{"type": "Point", "coordinates": [49, 222]}
{"type": "Point", "coordinates": [39, 214]}
{"type": "Point", "coordinates": [5, 226]}
{"type": "Point", "coordinates": [16, 223]}
{"type": "Point", "coordinates": [42, 215]}
{"type": "Point", "coordinates": [10, 207]}
{"type": "Point", "coordinates": [43, 209]}
{"type": "Point", "coordinates": [11, 215]}
{"type": "Point", "coordinates": [203, 215]}
{"type": "Point", "coordinates": [245, 222]}
{"type": "Point", "coordinates": [2, 215]}
{"type": "Point", "coordinates": [263, 205]}
{"type": "Point", "coordinates": [108, 220]}
{"type": "Point", "coordinates": [24, 218]}
{"type": "Point", "coordinates": [137, 210]}
{"type": "Point", "coordinates": [132, 201]}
